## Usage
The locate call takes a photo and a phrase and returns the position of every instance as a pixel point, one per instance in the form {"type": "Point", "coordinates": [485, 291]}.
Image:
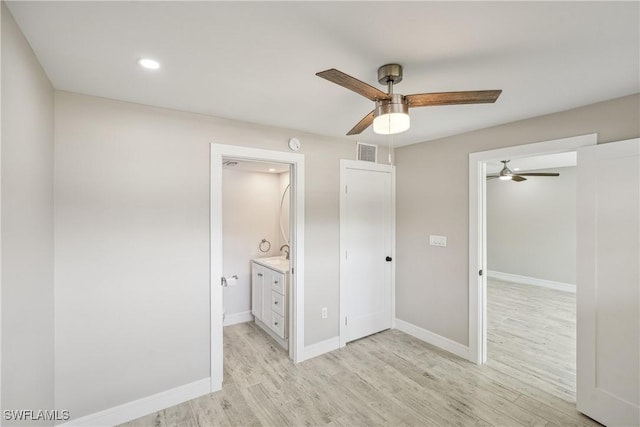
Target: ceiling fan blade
{"type": "Point", "coordinates": [539, 174]}
{"type": "Point", "coordinates": [453, 98]}
{"type": "Point", "coordinates": [351, 83]}
{"type": "Point", "coordinates": [518, 178]}
{"type": "Point", "coordinates": [362, 124]}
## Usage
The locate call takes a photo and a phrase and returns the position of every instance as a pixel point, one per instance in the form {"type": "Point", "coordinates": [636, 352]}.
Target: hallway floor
{"type": "Point", "coordinates": [532, 335]}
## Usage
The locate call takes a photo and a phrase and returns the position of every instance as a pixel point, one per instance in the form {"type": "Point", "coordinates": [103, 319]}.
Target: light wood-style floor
{"type": "Point", "coordinates": [393, 379]}
{"type": "Point", "coordinates": [532, 335]}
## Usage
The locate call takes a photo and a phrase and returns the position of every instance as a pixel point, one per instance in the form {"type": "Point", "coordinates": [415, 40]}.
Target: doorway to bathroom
{"type": "Point", "coordinates": [257, 248]}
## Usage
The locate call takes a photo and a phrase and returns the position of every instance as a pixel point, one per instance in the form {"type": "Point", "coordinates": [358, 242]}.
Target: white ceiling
{"type": "Point", "coordinates": [256, 61]}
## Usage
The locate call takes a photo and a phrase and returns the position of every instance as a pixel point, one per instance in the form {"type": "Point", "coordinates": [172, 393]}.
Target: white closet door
{"type": "Point", "coordinates": [608, 288]}
{"type": "Point", "coordinates": [366, 242]}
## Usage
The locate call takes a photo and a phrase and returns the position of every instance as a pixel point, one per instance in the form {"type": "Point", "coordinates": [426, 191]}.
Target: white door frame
{"type": "Point", "coordinates": [478, 225]}
{"type": "Point", "coordinates": [357, 164]}
{"type": "Point", "coordinates": [296, 336]}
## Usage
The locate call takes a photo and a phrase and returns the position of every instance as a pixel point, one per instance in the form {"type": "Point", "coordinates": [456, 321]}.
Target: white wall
{"type": "Point", "coordinates": [132, 244]}
{"type": "Point", "coordinates": [251, 206]}
{"type": "Point", "coordinates": [432, 289]}
{"type": "Point", "coordinates": [27, 226]}
{"type": "Point", "coordinates": [531, 226]}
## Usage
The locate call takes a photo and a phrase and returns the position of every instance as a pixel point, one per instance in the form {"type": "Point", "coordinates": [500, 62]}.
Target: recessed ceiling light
{"type": "Point", "coordinates": [149, 64]}
{"type": "Point", "coordinates": [272, 170]}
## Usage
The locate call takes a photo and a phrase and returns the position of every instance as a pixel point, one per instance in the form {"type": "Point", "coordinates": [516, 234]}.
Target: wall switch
{"type": "Point", "coordinates": [324, 312]}
{"type": "Point", "coordinates": [438, 240]}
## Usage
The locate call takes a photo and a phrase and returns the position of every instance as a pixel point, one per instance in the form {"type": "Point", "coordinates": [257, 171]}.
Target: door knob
{"type": "Point", "coordinates": [389, 259]}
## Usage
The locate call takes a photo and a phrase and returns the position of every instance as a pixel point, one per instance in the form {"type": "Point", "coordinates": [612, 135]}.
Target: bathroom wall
{"type": "Point", "coordinates": [284, 182]}
{"type": "Point", "coordinates": [251, 206]}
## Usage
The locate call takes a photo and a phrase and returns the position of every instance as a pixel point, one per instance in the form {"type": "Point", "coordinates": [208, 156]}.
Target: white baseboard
{"type": "Point", "coordinates": [320, 348]}
{"type": "Point", "coordinates": [434, 339]}
{"type": "Point", "coordinates": [235, 318]}
{"type": "Point", "coordinates": [141, 407]}
{"type": "Point", "coordinates": [515, 278]}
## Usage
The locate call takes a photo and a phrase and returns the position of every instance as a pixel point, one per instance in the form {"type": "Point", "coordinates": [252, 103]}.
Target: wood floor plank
{"type": "Point", "coordinates": [393, 379]}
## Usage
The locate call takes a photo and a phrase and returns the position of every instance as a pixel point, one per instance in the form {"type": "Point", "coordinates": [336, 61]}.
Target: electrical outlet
{"type": "Point", "coordinates": [324, 312]}
{"type": "Point", "coordinates": [438, 240]}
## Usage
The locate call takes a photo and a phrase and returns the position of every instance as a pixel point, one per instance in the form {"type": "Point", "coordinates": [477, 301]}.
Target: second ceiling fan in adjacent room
{"type": "Point", "coordinates": [507, 174]}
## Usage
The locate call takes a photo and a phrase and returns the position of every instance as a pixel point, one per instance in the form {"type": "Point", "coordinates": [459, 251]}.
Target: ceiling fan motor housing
{"type": "Point", "coordinates": [391, 115]}
{"type": "Point", "coordinates": [396, 104]}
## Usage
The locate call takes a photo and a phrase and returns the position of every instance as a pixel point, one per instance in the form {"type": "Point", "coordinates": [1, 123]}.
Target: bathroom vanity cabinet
{"type": "Point", "coordinates": [269, 296]}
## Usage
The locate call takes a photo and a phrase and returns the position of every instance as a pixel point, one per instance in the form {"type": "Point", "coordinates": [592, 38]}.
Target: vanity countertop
{"type": "Point", "coordinates": [278, 263]}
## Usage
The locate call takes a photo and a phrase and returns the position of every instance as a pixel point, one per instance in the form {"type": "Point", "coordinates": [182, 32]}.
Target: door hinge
{"type": "Point", "coordinates": [293, 270]}
{"type": "Point", "coordinates": [346, 189]}
{"type": "Point", "coordinates": [480, 273]}
{"type": "Point", "coordinates": [345, 321]}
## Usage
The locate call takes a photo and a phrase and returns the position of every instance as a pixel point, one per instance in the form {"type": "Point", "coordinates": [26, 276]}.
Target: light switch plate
{"type": "Point", "coordinates": [438, 240]}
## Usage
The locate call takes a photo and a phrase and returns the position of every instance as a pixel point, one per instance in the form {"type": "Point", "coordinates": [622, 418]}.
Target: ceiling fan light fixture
{"type": "Point", "coordinates": [391, 116]}
{"type": "Point", "coordinates": [391, 123]}
{"type": "Point", "coordinates": [505, 177]}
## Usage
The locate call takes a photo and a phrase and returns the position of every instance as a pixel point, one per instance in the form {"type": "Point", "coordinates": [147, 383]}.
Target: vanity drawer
{"type": "Point", "coordinates": [277, 282]}
{"type": "Point", "coordinates": [277, 303]}
{"type": "Point", "coordinates": [277, 324]}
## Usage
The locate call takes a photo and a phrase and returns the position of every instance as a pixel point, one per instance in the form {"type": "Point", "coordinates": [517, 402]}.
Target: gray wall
{"type": "Point", "coordinates": [531, 226]}
{"type": "Point", "coordinates": [27, 226]}
{"type": "Point", "coordinates": [132, 244]}
{"type": "Point", "coordinates": [433, 198]}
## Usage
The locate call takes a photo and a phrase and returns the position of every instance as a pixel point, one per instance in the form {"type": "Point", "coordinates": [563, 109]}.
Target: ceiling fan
{"type": "Point", "coordinates": [506, 174]}
{"type": "Point", "coordinates": [391, 113]}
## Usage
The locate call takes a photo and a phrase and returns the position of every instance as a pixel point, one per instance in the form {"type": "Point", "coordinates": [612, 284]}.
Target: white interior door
{"type": "Point", "coordinates": [608, 288]}
{"type": "Point", "coordinates": [366, 234]}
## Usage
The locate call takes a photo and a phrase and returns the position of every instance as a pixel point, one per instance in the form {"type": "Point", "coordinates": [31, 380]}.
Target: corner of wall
{"type": "Point", "coordinates": [434, 339]}
{"type": "Point", "coordinates": [26, 225]}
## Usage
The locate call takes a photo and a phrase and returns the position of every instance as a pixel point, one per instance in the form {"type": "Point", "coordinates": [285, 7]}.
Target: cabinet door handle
{"type": "Point", "coordinates": [259, 274]}
{"type": "Point", "coordinates": [275, 302]}
{"type": "Point", "coordinates": [275, 323]}
{"type": "Point", "coordinates": [276, 282]}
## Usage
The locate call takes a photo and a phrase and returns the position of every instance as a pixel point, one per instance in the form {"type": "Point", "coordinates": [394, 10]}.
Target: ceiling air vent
{"type": "Point", "coordinates": [367, 152]}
